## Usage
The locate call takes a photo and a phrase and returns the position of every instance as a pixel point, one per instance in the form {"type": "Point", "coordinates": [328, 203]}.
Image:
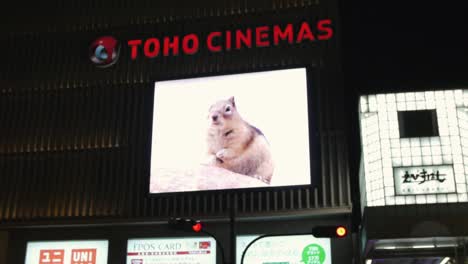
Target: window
{"type": "Point", "coordinates": [421, 123]}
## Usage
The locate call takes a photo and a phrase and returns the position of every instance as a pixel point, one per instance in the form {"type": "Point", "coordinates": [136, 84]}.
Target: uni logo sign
{"type": "Point", "coordinates": [104, 51]}
{"type": "Point", "coordinates": [49, 256]}
{"type": "Point", "coordinates": [83, 256]}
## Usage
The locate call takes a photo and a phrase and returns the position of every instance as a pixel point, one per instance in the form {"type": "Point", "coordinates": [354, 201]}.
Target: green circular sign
{"type": "Point", "coordinates": [313, 254]}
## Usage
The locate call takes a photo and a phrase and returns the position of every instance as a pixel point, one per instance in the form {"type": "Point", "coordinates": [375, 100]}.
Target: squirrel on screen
{"type": "Point", "coordinates": [235, 145]}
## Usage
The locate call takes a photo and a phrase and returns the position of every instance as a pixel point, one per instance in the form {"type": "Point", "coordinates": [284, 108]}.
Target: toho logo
{"type": "Point", "coordinates": [104, 51]}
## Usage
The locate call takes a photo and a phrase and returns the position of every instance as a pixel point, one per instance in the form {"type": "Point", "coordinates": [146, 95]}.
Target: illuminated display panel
{"type": "Point", "coordinates": [195, 250]}
{"type": "Point", "coordinates": [230, 132]}
{"type": "Point", "coordinates": [410, 169]}
{"type": "Point", "coordinates": [67, 252]}
{"type": "Point", "coordinates": [297, 249]}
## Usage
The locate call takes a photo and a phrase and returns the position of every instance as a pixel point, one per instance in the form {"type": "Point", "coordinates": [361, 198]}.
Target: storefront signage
{"type": "Point", "coordinates": [67, 252]}
{"type": "Point", "coordinates": [294, 249]}
{"type": "Point", "coordinates": [424, 180]}
{"type": "Point", "coordinates": [236, 39]}
{"type": "Point", "coordinates": [104, 50]}
{"type": "Point", "coordinates": [171, 250]}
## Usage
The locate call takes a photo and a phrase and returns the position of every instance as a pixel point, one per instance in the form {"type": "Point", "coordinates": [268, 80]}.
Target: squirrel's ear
{"type": "Point", "coordinates": [231, 99]}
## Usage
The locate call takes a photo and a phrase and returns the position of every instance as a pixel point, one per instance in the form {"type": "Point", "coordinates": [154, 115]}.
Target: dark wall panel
{"type": "Point", "coordinates": [3, 246]}
{"type": "Point", "coordinates": [74, 138]}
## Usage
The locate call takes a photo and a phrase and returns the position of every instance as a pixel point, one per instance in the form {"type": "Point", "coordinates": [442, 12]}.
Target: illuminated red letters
{"type": "Point", "coordinates": [286, 33]}
{"type": "Point", "coordinates": [216, 41]}
{"type": "Point", "coordinates": [228, 40]}
{"type": "Point", "coordinates": [305, 33]}
{"type": "Point", "coordinates": [261, 37]}
{"type": "Point", "coordinates": [190, 44]}
{"type": "Point", "coordinates": [134, 46]}
{"type": "Point", "coordinates": [325, 27]}
{"type": "Point", "coordinates": [246, 38]}
{"type": "Point", "coordinates": [151, 47]}
{"type": "Point", "coordinates": [209, 41]}
{"type": "Point", "coordinates": [170, 46]}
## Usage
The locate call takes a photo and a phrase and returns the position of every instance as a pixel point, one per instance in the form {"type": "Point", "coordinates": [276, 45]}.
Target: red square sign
{"type": "Point", "coordinates": [51, 256]}
{"type": "Point", "coordinates": [205, 244]}
{"type": "Point", "coordinates": [83, 256]}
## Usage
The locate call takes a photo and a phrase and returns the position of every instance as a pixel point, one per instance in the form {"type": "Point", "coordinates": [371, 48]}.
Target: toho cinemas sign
{"type": "Point", "coordinates": [218, 41]}
{"type": "Point", "coordinates": [104, 51]}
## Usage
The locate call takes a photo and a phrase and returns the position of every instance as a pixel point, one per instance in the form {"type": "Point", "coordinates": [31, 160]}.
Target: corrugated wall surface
{"type": "Point", "coordinates": [74, 138]}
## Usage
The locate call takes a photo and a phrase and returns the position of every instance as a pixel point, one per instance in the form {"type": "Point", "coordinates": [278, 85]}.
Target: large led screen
{"type": "Point", "coordinates": [231, 131]}
{"type": "Point", "coordinates": [67, 252]}
{"type": "Point", "coordinates": [192, 250]}
{"type": "Point", "coordinates": [294, 249]}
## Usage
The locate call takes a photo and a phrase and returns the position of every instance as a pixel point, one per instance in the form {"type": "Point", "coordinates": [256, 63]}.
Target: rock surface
{"type": "Point", "coordinates": [200, 178]}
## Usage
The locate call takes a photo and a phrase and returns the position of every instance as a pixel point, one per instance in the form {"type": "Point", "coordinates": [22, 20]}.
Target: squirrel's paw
{"type": "Point", "coordinates": [222, 154]}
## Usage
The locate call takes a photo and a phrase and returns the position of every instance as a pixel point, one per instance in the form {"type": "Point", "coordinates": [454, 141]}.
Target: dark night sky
{"type": "Point", "coordinates": [400, 46]}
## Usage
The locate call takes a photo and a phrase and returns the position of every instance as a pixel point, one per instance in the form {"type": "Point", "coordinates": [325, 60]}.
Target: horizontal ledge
{"type": "Point", "coordinates": [59, 150]}
{"type": "Point", "coordinates": [85, 222]}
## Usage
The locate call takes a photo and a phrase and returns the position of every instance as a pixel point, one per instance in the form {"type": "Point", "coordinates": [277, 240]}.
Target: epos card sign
{"type": "Point", "coordinates": [67, 252]}
{"type": "Point", "coordinates": [188, 250]}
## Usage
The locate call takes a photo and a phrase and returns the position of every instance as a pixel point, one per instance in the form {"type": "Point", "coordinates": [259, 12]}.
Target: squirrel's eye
{"type": "Point", "coordinates": [228, 108]}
